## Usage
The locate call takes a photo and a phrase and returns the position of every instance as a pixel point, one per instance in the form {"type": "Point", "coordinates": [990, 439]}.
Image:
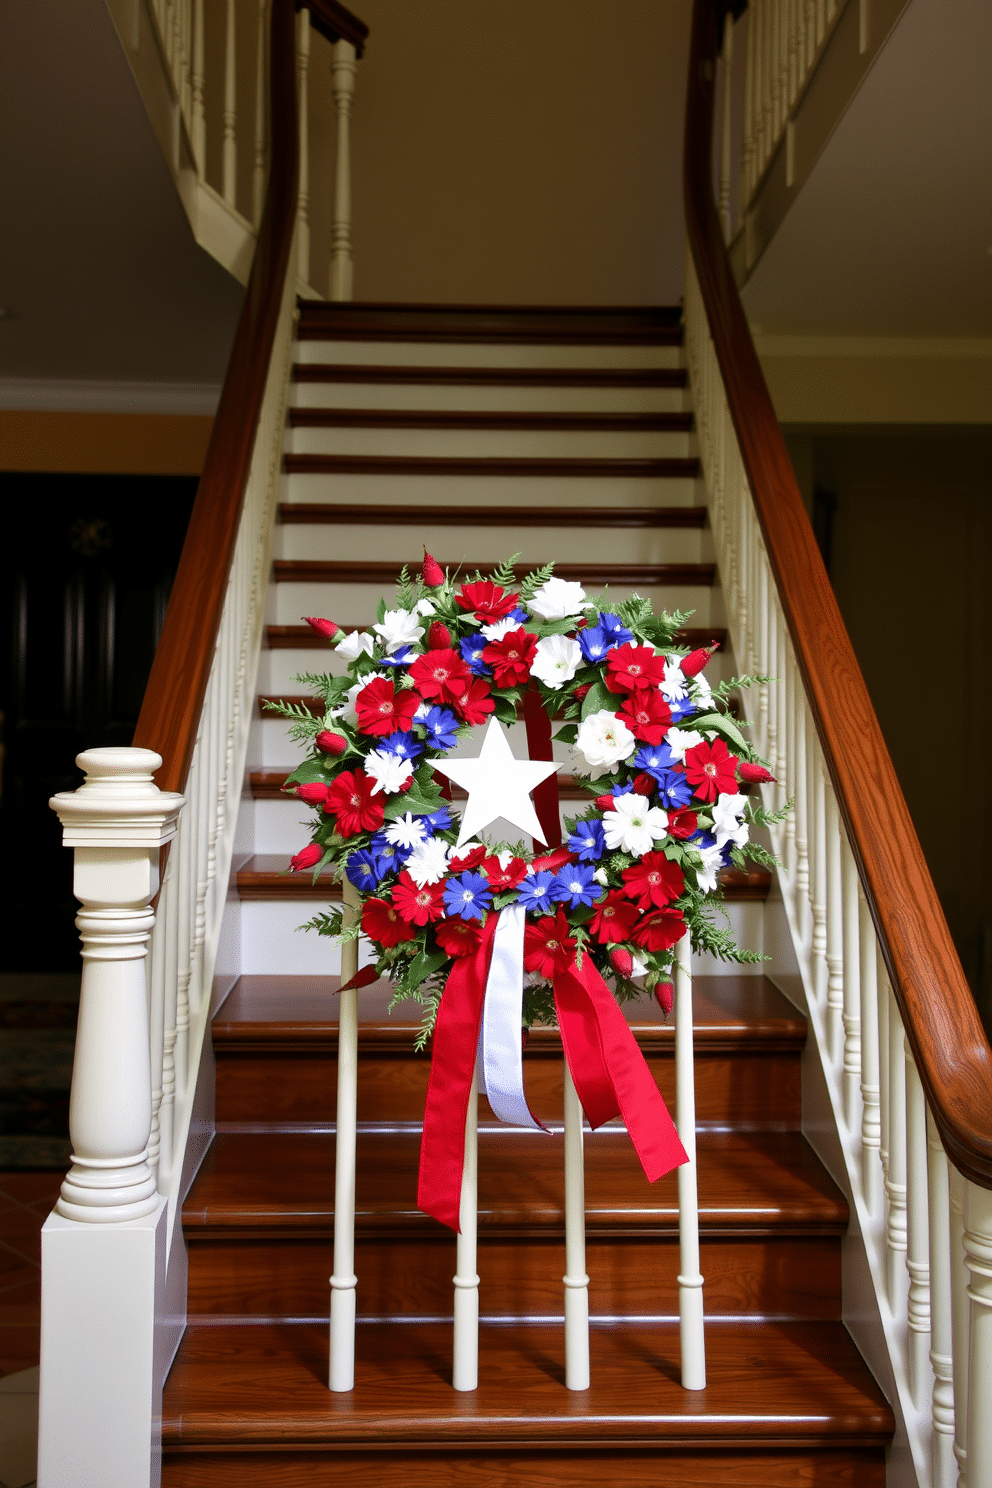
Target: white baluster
{"type": "Point", "coordinates": [917, 1237]}
{"type": "Point", "coordinates": [229, 176]}
{"type": "Point", "coordinates": [575, 1279]}
{"type": "Point", "coordinates": [895, 1182]}
{"type": "Point", "coordinates": [871, 1167]}
{"type": "Point", "coordinates": [978, 1257]}
{"type": "Point", "coordinates": [258, 181]}
{"type": "Point", "coordinates": [819, 854]}
{"type": "Point", "coordinates": [800, 755]}
{"type": "Point", "coordinates": [690, 1281]}
{"type": "Point", "coordinates": [344, 1281]}
{"type": "Point", "coordinates": [835, 930]}
{"type": "Point", "coordinates": [944, 1467]}
{"type": "Point", "coordinates": [852, 992]}
{"type": "Point", "coordinates": [303, 199]}
{"type": "Point", "coordinates": [343, 70]}
{"type": "Point", "coordinates": [960, 1321]}
{"type": "Point", "coordinates": [725, 122]}
{"type": "Point", "coordinates": [882, 979]}
{"type": "Point", "coordinates": [156, 1018]}
{"type": "Point", "coordinates": [465, 1373]}
{"type": "Point", "coordinates": [747, 162]}
{"type": "Point", "coordinates": [199, 129]}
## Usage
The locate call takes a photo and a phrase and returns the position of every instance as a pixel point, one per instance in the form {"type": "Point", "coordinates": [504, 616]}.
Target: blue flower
{"type": "Point", "coordinates": [468, 895]}
{"type": "Point", "coordinates": [622, 788]}
{"type": "Point", "coordinates": [615, 629]}
{"type": "Point", "coordinates": [534, 892]}
{"type": "Point", "coordinates": [574, 884]}
{"type": "Point", "coordinates": [681, 708]}
{"type": "Point", "coordinates": [518, 614]}
{"type": "Point", "coordinates": [399, 658]}
{"type": "Point", "coordinates": [702, 839]}
{"type": "Point", "coordinates": [673, 788]}
{"type": "Point", "coordinates": [655, 759]}
{"type": "Point", "coordinates": [364, 869]}
{"type": "Point", "coordinates": [588, 840]}
{"type": "Point", "coordinates": [403, 745]}
{"type": "Point", "coordinates": [438, 821]}
{"type": "Point", "coordinates": [442, 728]}
{"type": "Point", "coordinates": [389, 856]}
{"type": "Point", "coordinates": [594, 642]}
{"type": "Point", "coordinates": [471, 646]}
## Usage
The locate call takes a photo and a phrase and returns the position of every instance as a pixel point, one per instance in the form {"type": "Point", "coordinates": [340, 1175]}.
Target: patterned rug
{"type": "Point", "coordinates": [37, 1037]}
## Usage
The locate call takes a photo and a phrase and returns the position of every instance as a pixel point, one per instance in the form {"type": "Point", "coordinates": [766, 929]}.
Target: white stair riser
{"type": "Point", "coordinates": [272, 945]}
{"type": "Point", "coordinates": [468, 398]}
{"type": "Point", "coordinates": [483, 354]}
{"type": "Point", "coordinates": [489, 444]}
{"type": "Point", "coordinates": [558, 492]}
{"type": "Point", "coordinates": [355, 604]}
{"type": "Point", "coordinates": [491, 545]}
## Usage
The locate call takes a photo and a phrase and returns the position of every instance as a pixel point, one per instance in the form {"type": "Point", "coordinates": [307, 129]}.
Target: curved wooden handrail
{"type": "Point", "coordinates": [335, 23]}
{"type": "Point", "coordinates": [170, 710]}
{"type": "Point", "coordinates": [938, 1011]}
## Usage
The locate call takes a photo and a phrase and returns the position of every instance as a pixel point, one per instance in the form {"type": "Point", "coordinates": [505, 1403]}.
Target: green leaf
{"type": "Point", "coordinates": [567, 734]}
{"type": "Point", "coordinates": [380, 611]}
{"type": "Point", "coordinates": [598, 699]}
{"type": "Point", "coordinates": [504, 708]}
{"type": "Point", "coordinates": [310, 770]}
{"type": "Point", "coordinates": [423, 965]}
{"type": "Point", "coordinates": [724, 725]}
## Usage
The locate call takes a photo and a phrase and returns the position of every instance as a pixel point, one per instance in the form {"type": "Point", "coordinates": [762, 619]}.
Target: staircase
{"type": "Point", "coordinates": [563, 435]}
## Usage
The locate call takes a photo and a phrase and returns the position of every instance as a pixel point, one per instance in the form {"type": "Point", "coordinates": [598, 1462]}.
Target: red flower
{"type": "Point", "coordinates": [475, 703]}
{"type": "Point", "coordinates": [457, 936]}
{"type": "Point", "coordinates": [580, 692]}
{"type": "Point", "coordinates": [329, 743]}
{"type": "Point", "coordinates": [552, 861]}
{"type": "Point", "coordinates": [692, 665]}
{"type": "Point", "coordinates": [418, 905]}
{"type": "Point", "coordinates": [382, 709]}
{"type": "Point", "coordinates": [665, 993]}
{"type": "Point", "coordinates": [653, 880]}
{"type": "Point", "coordinates": [644, 784]}
{"type": "Point", "coordinates": [438, 637]}
{"type": "Point", "coordinates": [501, 879]}
{"type": "Point", "coordinates": [382, 924]}
{"type": "Point", "coordinates": [605, 803]}
{"type": "Point", "coordinates": [432, 572]}
{"type": "Point", "coordinates": [350, 799]}
{"type": "Point", "coordinates": [487, 601]}
{"type": "Point", "coordinates": [647, 715]}
{"type": "Point", "coordinates": [326, 628]}
{"type": "Point", "coordinates": [314, 793]}
{"type": "Point", "coordinates": [660, 930]}
{"type": "Point", "coordinates": [633, 668]}
{"type": "Point", "coordinates": [307, 857]}
{"type": "Point", "coordinates": [756, 774]}
{"type": "Point", "coordinates": [711, 768]}
{"type": "Point", "coordinates": [621, 960]}
{"type": "Point", "coordinates": [682, 824]}
{"type": "Point", "coordinates": [511, 657]}
{"type": "Point", "coordinates": [441, 675]}
{"type": "Point", "coordinates": [614, 919]}
{"type": "Point", "coordinates": [469, 859]}
{"type": "Point", "coordinates": [548, 947]}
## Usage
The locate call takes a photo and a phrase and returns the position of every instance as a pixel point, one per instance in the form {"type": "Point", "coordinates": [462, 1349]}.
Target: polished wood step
{"type": "Point", "coordinates": [266, 876]}
{"type": "Point", "coordinates": [489, 516]}
{"type": "Point", "coordinates": [518, 377]}
{"type": "Point", "coordinates": [563, 325]}
{"type": "Point", "coordinates": [275, 1047]}
{"type": "Point", "coordinates": [510, 467]}
{"type": "Point", "coordinates": [293, 637]}
{"type": "Point", "coordinates": [658, 575]}
{"type": "Point", "coordinates": [566, 423]}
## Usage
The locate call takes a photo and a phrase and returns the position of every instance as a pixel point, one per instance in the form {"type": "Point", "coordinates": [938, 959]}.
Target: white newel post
{"type": "Point", "coordinates": [691, 1329]}
{"type": "Point", "coordinates": [103, 1247]}
{"type": "Point", "coordinates": [343, 70]}
{"type": "Point", "coordinates": [344, 1281]}
{"type": "Point", "coordinates": [576, 1280]}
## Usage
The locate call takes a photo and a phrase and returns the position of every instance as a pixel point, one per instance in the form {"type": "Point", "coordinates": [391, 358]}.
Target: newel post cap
{"type": "Point", "coordinates": [118, 804]}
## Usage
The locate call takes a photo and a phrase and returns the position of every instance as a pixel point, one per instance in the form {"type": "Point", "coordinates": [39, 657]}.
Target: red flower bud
{"type": "Point", "coordinates": [692, 665]}
{"type": "Point", "coordinates": [326, 628]}
{"type": "Point", "coordinates": [307, 858]}
{"type": "Point", "coordinates": [406, 784]}
{"type": "Point", "coordinates": [756, 774]}
{"type": "Point", "coordinates": [363, 978]}
{"type": "Point", "coordinates": [605, 803]}
{"type": "Point", "coordinates": [329, 743]}
{"type": "Point", "coordinates": [552, 861]}
{"type": "Point", "coordinates": [621, 960]}
{"type": "Point", "coordinates": [433, 573]}
{"type": "Point", "coordinates": [314, 793]}
{"type": "Point", "coordinates": [665, 995]}
{"type": "Point", "coordinates": [644, 784]}
{"type": "Point", "coordinates": [438, 637]}
{"type": "Point", "coordinates": [580, 692]}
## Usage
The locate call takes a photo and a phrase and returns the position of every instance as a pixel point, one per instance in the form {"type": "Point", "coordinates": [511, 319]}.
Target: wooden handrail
{"type": "Point", "coordinates": [177, 684]}
{"type": "Point", "coordinates": [335, 23]}
{"type": "Point", "coordinates": [938, 1011]}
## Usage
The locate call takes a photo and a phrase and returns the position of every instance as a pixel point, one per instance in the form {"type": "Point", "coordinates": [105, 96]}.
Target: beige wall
{"type": "Point", "coordinates": [103, 443]}
{"type": "Point", "coordinates": [524, 152]}
{"type": "Point", "coordinates": [878, 379]}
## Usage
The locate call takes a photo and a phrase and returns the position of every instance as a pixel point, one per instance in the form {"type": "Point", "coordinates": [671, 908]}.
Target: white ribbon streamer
{"type": "Point", "coordinates": [501, 1067]}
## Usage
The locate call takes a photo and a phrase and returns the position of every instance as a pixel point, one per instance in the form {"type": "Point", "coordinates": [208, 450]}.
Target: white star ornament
{"type": "Point", "coordinates": [498, 785]}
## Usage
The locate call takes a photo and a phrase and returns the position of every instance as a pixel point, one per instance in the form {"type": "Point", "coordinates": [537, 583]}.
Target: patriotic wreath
{"type": "Point", "coordinates": [657, 748]}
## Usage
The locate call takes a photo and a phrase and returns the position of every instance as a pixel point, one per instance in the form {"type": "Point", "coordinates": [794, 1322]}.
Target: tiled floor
{"type": "Point", "coordinates": [26, 1200]}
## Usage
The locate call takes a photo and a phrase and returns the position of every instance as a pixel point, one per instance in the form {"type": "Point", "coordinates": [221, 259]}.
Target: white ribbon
{"type": "Point", "coordinates": [501, 1070]}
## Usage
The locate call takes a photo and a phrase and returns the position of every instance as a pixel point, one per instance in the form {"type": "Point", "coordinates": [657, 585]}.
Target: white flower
{"type": "Point", "coordinates": [601, 878]}
{"type": "Point", "coordinates": [556, 661]}
{"type": "Point", "coordinates": [639, 967]}
{"type": "Point", "coordinates": [674, 686]}
{"type": "Point", "coordinates": [425, 607]}
{"type": "Point", "coordinates": [388, 771]}
{"type": "Point", "coordinates": [353, 645]}
{"type": "Point", "coordinates": [422, 712]}
{"type": "Point", "coordinates": [556, 599]}
{"type": "Point", "coordinates": [346, 710]}
{"type": "Point", "coordinates": [633, 825]}
{"type": "Point", "coordinates": [406, 831]}
{"type": "Point", "coordinates": [500, 628]}
{"type": "Point", "coordinates": [398, 628]}
{"type": "Point", "coordinates": [679, 740]}
{"type": "Point", "coordinates": [726, 826]}
{"type": "Point", "coordinates": [428, 862]}
{"type": "Point", "coordinates": [712, 863]}
{"type": "Point", "coordinates": [602, 741]}
{"type": "Point", "coordinates": [701, 692]}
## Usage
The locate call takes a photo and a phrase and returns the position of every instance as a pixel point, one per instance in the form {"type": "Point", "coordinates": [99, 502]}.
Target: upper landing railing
{"type": "Point", "coordinates": [905, 1059]}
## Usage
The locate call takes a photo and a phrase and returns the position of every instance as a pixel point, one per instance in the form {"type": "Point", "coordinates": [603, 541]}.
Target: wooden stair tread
{"type": "Point", "coordinates": [604, 468]}
{"type": "Point", "coordinates": [563, 377]}
{"type": "Point", "coordinates": [605, 325]}
{"type": "Point", "coordinates": [490, 516]}
{"type": "Point", "coordinates": [569, 423]}
{"type": "Point", "coordinates": [264, 876]}
{"type": "Point", "coordinates": [750, 1182]}
{"type": "Point", "coordinates": [293, 637]}
{"type": "Point", "coordinates": [778, 1382]}
{"type": "Point", "coordinates": [729, 1012]}
{"type": "Point", "coordinates": [334, 571]}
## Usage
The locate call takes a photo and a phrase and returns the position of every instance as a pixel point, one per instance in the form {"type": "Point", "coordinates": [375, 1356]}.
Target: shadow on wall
{"type": "Point", "coordinates": [909, 539]}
